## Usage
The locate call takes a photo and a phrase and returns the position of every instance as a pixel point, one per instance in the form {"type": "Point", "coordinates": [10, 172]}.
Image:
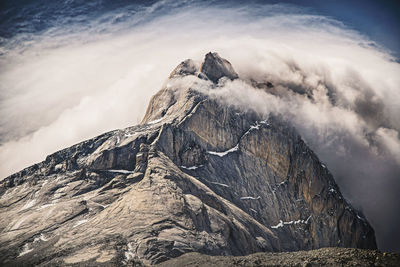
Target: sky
{"type": "Point", "coordinates": [71, 70]}
{"type": "Point", "coordinates": [379, 20]}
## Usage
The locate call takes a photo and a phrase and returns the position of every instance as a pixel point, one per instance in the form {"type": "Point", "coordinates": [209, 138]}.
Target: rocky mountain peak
{"type": "Point", "coordinates": [187, 67]}
{"type": "Point", "coordinates": [169, 103]}
{"type": "Point", "coordinates": [216, 67]}
{"type": "Point", "coordinates": [195, 176]}
{"type": "Point", "coordinates": [212, 68]}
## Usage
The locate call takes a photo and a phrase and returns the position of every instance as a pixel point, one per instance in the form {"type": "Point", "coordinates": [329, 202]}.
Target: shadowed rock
{"type": "Point", "coordinates": [215, 67]}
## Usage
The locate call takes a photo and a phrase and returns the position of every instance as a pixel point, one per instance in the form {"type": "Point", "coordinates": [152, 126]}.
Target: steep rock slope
{"type": "Point", "coordinates": [195, 175]}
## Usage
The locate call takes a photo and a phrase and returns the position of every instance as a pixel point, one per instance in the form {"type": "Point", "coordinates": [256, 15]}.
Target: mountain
{"type": "Point", "coordinates": [195, 175]}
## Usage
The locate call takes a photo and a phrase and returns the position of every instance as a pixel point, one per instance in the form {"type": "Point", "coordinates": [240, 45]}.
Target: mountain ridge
{"type": "Point", "coordinates": [194, 176]}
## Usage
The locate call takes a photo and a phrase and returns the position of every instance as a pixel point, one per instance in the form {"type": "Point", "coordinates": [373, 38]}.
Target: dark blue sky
{"type": "Point", "coordinates": [378, 19]}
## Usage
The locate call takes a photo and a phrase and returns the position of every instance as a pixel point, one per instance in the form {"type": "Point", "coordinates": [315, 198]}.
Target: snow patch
{"type": "Point", "coordinates": [254, 127]}
{"type": "Point", "coordinates": [221, 154]}
{"type": "Point", "coordinates": [224, 185]}
{"type": "Point", "coordinates": [43, 238]}
{"type": "Point", "coordinates": [120, 171]}
{"type": "Point", "coordinates": [360, 218]}
{"type": "Point", "coordinates": [58, 167]}
{"type": "Point", "coordinates": [25, 250]}
{"type": "Point", "coordinates": [236, 148]}
{"type": "Point", "coordinates": [250, 198]}
{"type": "Point", "coordinates": [332, 190]}
{"type": "Point", "coordinates": [191, 167]}
{"type": "Point", "coordinates": [129, 254]}
{"type": "Point", "coordinates": [80, 222]}
{"type": "Point", "coordinates": [155, 121]}
{"type": "Point", "coordinates": [253, 210]}
{"type": "Point", "coordinates": [282, 183]}
{"type": "Point", "coordinates": [282, 223]}
{"type": "Point", "coordinates": [40, 238]}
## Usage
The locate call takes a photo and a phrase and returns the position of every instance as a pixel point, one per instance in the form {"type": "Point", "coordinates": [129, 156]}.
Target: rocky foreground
{"type": "Point", "coordinates": [319, 257]}
{"type": "Point", "coordinates": [195, 176]}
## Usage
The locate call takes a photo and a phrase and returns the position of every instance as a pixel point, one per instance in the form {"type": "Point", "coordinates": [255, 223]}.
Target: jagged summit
{"type": "Point", "coordinates": [194, 176]}
{"type": "Point", "coordinates": [213, 68]}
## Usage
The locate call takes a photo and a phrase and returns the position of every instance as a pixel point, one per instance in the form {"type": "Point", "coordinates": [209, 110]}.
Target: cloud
{"type": "Point", "coordinates": [339, 89]}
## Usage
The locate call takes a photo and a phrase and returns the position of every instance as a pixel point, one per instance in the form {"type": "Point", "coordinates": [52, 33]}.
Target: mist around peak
{"type": "Point", "coordinates": [72, 81]}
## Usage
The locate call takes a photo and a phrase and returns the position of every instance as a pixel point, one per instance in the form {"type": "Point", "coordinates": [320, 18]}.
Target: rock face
{"type": "Point", "coordinates": [215, 67]}
{"type": "Point", "coordinates": [194, 176]}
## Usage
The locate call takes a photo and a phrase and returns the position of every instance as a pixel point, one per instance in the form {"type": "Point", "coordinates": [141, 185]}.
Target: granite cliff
{"type": "Point", "coordinates": [194, 176]}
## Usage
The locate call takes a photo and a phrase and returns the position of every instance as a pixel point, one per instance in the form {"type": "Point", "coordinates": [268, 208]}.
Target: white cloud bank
{"type": "Point", "coordinates": [340, 90]}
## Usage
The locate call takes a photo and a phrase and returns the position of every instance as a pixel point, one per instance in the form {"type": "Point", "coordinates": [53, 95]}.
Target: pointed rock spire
{"type": "Point", "coordinates": [215, 67]}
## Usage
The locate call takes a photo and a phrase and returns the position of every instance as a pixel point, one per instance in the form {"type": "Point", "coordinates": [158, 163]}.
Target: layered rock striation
{"type": "Point", "coordinates": [194, 176]}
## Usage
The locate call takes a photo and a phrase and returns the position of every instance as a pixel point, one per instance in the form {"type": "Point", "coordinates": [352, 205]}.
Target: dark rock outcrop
{"type": "Point", "coordinates": [194, 176]}
{"type": "Point", "coordinates": [215, 67]}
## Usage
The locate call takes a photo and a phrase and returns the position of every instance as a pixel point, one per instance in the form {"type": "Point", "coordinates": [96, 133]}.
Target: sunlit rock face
{"type": "Point", "coordinates": [195, 175]}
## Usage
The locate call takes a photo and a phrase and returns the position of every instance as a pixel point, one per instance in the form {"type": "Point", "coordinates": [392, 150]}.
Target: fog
{"type": "Point", "coordinates": [339, 89]}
